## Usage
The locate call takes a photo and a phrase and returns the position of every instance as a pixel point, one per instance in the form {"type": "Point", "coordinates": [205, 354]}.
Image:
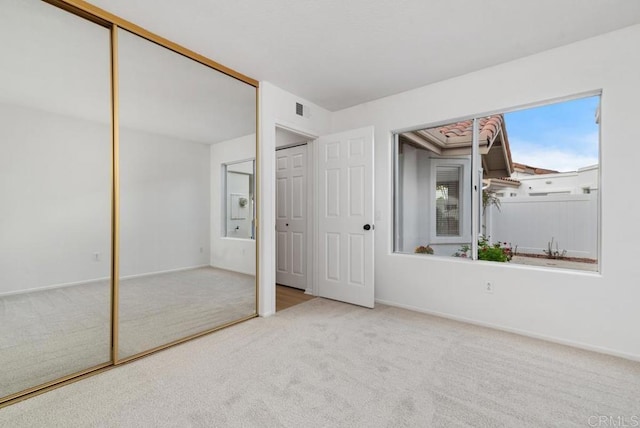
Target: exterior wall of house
{"type": "Point", "coordinates": [592, 310]}
{"type": "Point", "coordinates": [573, 183]}
{"type": "Point", "coordinates": [562, 206]}
{"type": "Point", "coordinates": [416, 204]}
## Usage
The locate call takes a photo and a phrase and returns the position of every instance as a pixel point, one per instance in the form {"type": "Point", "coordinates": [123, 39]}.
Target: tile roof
{"type": "Point", "coordinates": [456, 140]}
{"type": "Point", "coordinates": [500, 182]}
{"type": "Point", "coordinates": [533, 169]}
{"type": "Point", "coordinates": [514, 180]}
{"type": "Point", "coordinates": [488, 126]}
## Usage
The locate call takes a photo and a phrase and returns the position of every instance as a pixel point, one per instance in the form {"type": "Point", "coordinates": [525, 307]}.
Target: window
{"type": "Point", "coordinates": [239, 207]}
{"type": "Point", "coordinates": [434, 191]}
{"type": "Point", "coordinates": [534, 199]}
{"type": "Point", "coordinates": [447, 201]}
{"type": "Point", "coordinates": [451, 201]}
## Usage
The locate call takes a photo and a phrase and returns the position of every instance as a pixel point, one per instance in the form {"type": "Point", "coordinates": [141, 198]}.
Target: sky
{"type": "Point", "coordinates": [561, 136]}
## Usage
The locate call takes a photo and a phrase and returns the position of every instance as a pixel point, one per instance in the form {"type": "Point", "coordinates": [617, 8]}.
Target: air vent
{"type": "Point", "coordinates": [299, 109]}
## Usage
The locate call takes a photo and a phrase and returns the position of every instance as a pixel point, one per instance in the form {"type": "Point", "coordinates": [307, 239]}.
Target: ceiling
{"type": "Point", "coordinates": [339, 53]}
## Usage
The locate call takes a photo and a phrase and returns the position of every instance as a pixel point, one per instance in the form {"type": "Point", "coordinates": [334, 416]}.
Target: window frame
{"type": "Point", "coordinates": [476, 165]}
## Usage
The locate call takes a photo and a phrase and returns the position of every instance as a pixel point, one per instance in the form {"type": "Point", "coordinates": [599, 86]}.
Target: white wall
{"type": "Point", "coordinates": [55, 193]}
{"type": "Point", "coordinates": [277, 107]}
{"type": "Point", "coordinates": [55, 185]}
{"type": "Point", "coordinates": [597, 311]}
{"type": "Point", "coordinates": [164, 203]}
{"type": "Point", "coordinates": [286, 138]}
{"type": "Point", "coordinates": [229, 253]}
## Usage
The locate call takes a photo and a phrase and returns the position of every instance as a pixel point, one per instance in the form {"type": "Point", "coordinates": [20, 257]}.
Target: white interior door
{"type": "Point", "coordinates": [291, 216]}
{"type": "Point", "coordinates": [345, 217]}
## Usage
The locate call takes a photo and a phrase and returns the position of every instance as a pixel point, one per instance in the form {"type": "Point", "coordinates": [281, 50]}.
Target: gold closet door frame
{"type": "Point", "coordinates": [107, 19]}
{"type": "Point", "coordinates": [115, 196]}
{"type": "Point", "coordinates": [113, 23]}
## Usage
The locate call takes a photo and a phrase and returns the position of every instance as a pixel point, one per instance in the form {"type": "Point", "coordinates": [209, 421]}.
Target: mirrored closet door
{"type": "Point", "coordinates": [114, 215]}
{"type": "Point", "coordinates": [55, 195]}
{"type": "Point", "coordinates": [180, 123]}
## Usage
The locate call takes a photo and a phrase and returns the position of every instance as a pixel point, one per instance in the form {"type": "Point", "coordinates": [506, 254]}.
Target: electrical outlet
{"type": "Point", "coordinates": [202, 249]}
{"type": "Point", "coordinates": [488, 287]}
{"type": "Point", "coordinates": [96, 257]}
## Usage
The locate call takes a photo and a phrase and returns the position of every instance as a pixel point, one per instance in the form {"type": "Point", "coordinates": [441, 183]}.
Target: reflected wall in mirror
{"type": "Point", "coordinates": [55, 188]}
{"type": "Point", "coordinates": [179, 122]}
{"type": "Point", "coordinates": [239, 199]}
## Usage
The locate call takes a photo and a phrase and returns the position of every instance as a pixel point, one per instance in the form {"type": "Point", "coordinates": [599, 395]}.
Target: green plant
{"type": "Point", "coordinates": [498, 252]}
{"type": "Point", "coordinates": [424, 249]}
{"type": "Point", "coordinates": [554, 254]}
{"type": "Point", "coordinates": [492, 253]}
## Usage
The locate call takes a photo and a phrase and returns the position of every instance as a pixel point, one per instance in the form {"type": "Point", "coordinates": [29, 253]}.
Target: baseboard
{"type": "Point", "coordinates": [266, 314]}
{"type": "Point", "coordinates": [527, 333]}
{"type": "Point", "coordinates": [91, 281]}
{"type": "Point", "coordinates": [142, 275]}
{"type": "Point", "coordinates": [228, 269]}
{"type": "Point", "coordinates": [54, 286]}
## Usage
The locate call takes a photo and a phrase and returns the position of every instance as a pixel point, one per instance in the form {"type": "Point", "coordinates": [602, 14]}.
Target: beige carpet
{"type": "Point", "coordinates": [329, 364]}
{"type": "Point", "coordinates": [49, 334]}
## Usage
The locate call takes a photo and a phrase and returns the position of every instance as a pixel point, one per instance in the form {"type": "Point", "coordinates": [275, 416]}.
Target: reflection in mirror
{"type": "Point", "coordinates": [239, 201]}
{"type": "Point", "coordinates": [55, 188]}
{"type": "Point", "coordinates": [179, 122]}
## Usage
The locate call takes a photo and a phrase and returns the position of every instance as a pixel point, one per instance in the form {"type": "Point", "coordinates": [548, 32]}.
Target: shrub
{"type": "Point", "coordinates": [424, 249]}
{"type": "Point", "coordinates": [498, 252]}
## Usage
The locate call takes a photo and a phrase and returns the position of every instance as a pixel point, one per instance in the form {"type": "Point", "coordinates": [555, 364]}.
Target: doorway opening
{"type": "Point", "coordinates": [287, 297]}
{"type": "Point", "coordinates": [294, 211]}
{"type": "Point", "coordinates": [324, 214]}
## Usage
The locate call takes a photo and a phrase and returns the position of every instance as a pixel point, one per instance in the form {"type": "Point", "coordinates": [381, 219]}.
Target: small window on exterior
{"type": "Point", "coordinates": [447, 201]}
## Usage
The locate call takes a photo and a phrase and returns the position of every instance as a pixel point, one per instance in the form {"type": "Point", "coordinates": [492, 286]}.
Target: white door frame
{"type": "Point", "coordinates": [311, 287]}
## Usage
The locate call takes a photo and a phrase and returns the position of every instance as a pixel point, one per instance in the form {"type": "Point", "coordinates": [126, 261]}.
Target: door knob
{"type": "Point", "coordinates": [366, 227]}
